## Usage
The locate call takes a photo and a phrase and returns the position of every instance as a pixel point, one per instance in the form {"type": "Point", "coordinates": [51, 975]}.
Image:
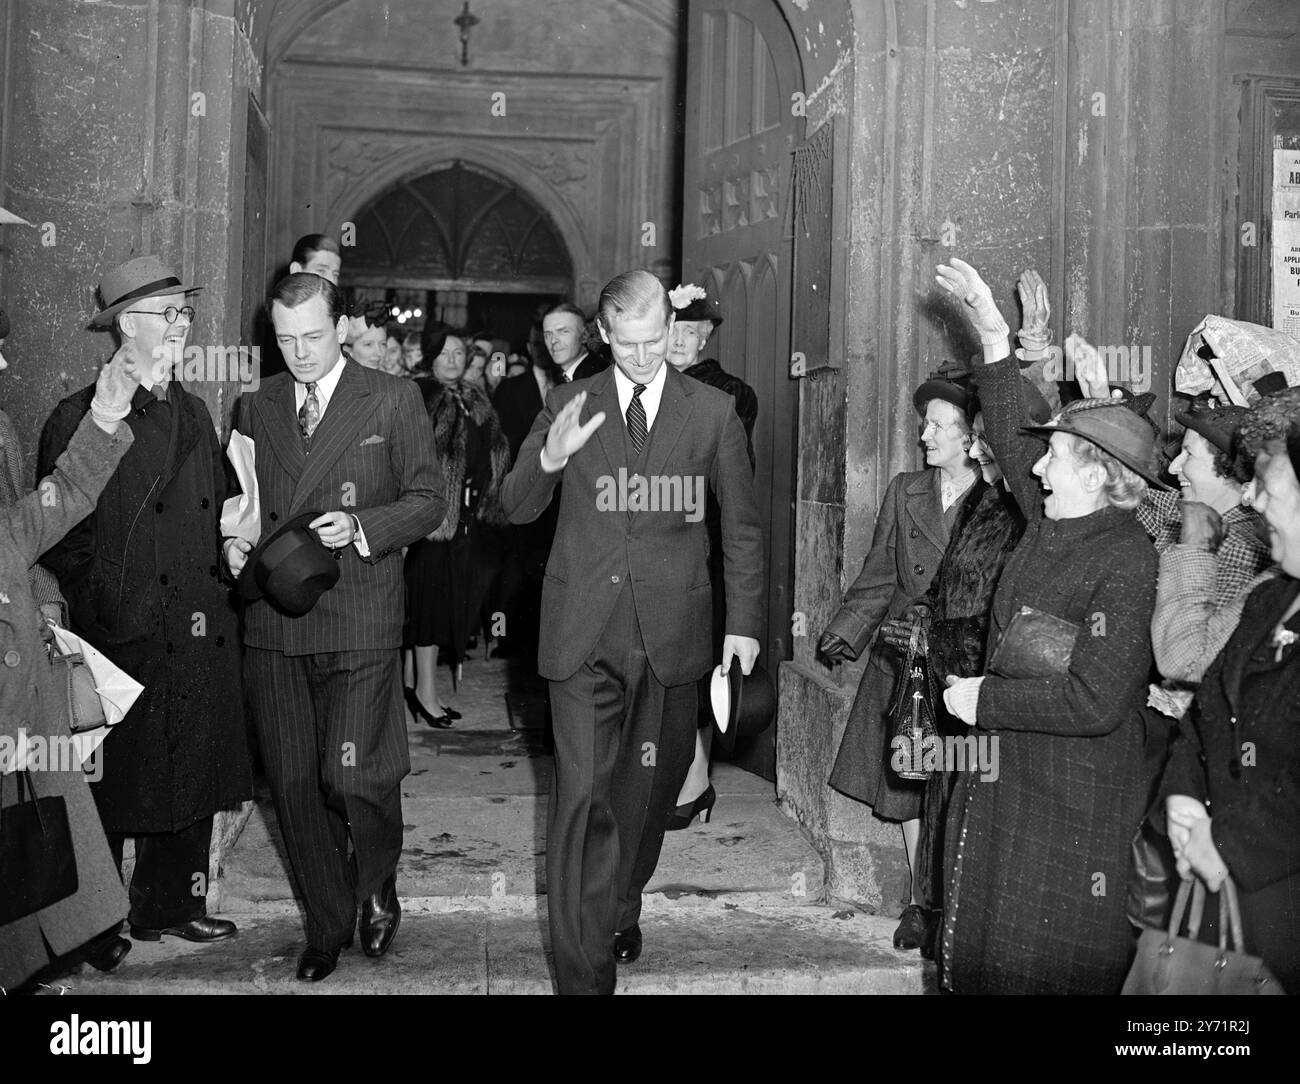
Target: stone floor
{"type": "Point", "coordinates": [737, 905]}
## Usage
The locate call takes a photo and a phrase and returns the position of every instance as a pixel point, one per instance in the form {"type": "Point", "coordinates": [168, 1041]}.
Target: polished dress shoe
{"type": "Point", "coordinates": [627, 945]}
{"type": "Point", "coordinates": [197, 929]}
{"type": "Point", "coordinates": [105, 953]}
{"type": "Point", "coordinates": [423, 715]}
{"type": "Point", "coordinates": [912, 926]}
{"type": "Point", "coordinates": [381, 914]}
{"type": "Point", "coordinates": [682, 816]}
{"type": "Point", "coordinates": [315, 964]}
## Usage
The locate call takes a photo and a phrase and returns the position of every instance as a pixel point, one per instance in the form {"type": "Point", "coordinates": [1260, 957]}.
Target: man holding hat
{"type": "Point", "coordinates": [142, 578]}
{"type": "Point", "coordinates": [345, 460]}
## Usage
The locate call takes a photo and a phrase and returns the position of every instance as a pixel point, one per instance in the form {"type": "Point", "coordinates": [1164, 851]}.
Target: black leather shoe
{"type": "Point", "coordinates": [423, 714]}
{"type": "Point", "coordinates": [197, 929]}
{"type": "Point", "coordinates": [105, 953]}
{"type": "Point", "coordinates": [627, 945]}
{"type": "Point", "coordinates": [316, 964]}
{"type": "Point", "coordinates": [381, 914]}
{"type": "Point", "coordinates": [451, 713]}
{"type": "Point", "coordinates": [912, 925]}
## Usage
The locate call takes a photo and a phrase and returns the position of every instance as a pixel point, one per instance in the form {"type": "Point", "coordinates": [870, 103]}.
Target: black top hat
{"type": "Point", "coordinates": [1115, 429]}
{"type": "Point", "coordinates": [292, 568]}
{"type": "Point", "coordinates": [743, 705]}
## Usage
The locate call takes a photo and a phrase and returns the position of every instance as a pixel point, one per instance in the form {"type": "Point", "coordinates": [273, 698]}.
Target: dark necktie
{"type": "Point", "coordinates": [636, 426]}
{"type": "Point", "coordinates": [309, 415]}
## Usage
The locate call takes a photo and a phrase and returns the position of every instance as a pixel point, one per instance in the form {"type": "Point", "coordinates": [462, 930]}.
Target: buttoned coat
{"type": "Point", "coordinates": [372, 455]}
{"type": "Point", "coordinates": [143, 576]}
{"type": "Point", "coordinates": [663, 554]}
{"type": "Point", "coordinates": [907, 545]}
{"type": "Point", "coordinates": [31, 701]}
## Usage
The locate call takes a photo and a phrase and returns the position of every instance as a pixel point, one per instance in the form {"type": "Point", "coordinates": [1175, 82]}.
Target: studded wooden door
{"type": "Point", "coordinates": [742, 127]}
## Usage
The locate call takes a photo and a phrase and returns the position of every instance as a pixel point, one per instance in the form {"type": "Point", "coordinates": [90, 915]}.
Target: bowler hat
{"type": "Point", "coordinates": [743, 705]}
{"type": "Point", "coordinates": [291, 568]}
{"type": "Point", "coordinates": [1115, 429]}
{"type": "Point", "coordinates": [144, 276]}
{"type": "Point", "coordinates": [1218, 425]}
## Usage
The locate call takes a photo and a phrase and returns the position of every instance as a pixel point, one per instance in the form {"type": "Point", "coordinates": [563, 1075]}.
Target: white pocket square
{"type": "Point", "coordinates": [376, 439]}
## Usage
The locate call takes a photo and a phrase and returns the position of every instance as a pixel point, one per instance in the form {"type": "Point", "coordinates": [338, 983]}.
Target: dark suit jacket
{"type": "Point", "coordinates": [372, 456]}
{"type": "Point", "coordinates": [517, 403]}
{"type": "Point", "coordinates": [590, 366]}
{"type": "Point", "coordinates": [906, 548]}
{"type": "Point", "coordinates": [695, 433]}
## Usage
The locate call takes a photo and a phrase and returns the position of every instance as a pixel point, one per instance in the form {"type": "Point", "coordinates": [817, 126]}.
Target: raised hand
{"type": "Point", "coordinates": [959, 278]}
{"type": "Point", "coordinates": [567, 434]}
{"type": "Point", "coordinates": [1034, 330]}
{"type": "Point", "coordinates": [1089, 369]}
{"type": "Point", "coordinates": [118, 379]}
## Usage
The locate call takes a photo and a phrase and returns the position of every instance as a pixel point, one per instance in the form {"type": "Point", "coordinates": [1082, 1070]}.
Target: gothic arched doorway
{"type": "Point", "coordinates": [462, 245]}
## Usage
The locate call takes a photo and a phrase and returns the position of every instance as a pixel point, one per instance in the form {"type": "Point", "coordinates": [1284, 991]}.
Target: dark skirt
{"type": "Point", "coordinates": [446, 583]}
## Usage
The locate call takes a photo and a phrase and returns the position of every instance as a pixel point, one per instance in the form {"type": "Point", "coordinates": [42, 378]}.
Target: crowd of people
{"type": "Point", "coordinates": [1129, 649]}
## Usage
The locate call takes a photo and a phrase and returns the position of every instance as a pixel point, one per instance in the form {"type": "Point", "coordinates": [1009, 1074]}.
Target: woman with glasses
{"type": "Point", "coordinates": [912, 529]}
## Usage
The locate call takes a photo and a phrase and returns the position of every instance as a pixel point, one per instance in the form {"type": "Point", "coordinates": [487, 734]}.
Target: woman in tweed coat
{"type": "Point", "coordinates": [1038, 859]}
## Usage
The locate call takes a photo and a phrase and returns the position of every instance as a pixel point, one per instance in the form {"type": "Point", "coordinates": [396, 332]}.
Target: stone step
{"type": "Point", "coordinates": [693, 945]}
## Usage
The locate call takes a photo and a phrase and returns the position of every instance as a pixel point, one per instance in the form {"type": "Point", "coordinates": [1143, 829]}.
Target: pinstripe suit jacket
{"type": "Point", "coordinates": [372, 456]}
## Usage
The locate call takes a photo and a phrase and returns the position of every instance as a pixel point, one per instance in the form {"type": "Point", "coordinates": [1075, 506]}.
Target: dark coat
{"type": "Point", "coordinates": [908, 543]}
{"type": "Point", "coordinates": [1038, 859]}
{"type": "Point", "coordinates": [695, 434]}
{"type": "Point", "coordinates": [31, 701]}
{"type": "Point", "coordinates": [1249, 696]}
{"type": "Point", "coordinates": [143, 576]}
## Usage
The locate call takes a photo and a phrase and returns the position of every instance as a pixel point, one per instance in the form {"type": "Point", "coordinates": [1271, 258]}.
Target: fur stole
{"type": "Point", "coordinates": [465, 425]}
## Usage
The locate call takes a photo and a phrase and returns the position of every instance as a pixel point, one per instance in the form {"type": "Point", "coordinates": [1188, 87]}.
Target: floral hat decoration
{"type": "Point", "coordinates": [692, 303]}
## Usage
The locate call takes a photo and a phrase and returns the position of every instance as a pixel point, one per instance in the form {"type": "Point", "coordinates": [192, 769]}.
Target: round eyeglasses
{"type": "Point", "coordinates": [170, 313]}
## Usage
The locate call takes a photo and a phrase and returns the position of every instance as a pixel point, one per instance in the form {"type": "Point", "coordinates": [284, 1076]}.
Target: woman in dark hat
{"type": "Point", "coordinates": [1038, 859]}
{"type": "Point", "coordinates": [912, 530]}
{"type": "Point", "coordinates": [448, 573]}
{"type": "Point", "coordinates": [1232, 788]}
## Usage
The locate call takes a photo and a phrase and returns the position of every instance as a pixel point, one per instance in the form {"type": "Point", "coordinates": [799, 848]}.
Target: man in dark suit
{"type": "Point", "coordinates": [325, 687]}
{"type": "Point", "coordinates": [627, 607]}
{"type": "Point", "coordinates": [563, 328]}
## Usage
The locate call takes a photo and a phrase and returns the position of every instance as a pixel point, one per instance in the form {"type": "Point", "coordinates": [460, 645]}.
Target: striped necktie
{"type": "Point", "coordinates": [636, 425]}
{"type": "Point", "coordinates": [309, 415]}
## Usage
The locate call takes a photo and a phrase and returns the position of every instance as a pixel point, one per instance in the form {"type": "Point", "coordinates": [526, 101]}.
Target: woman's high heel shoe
{"type": "Point", "coordinates": [684, 814]}
{"type": "Point", "coordinates": [422, 714]}
{"type": "Point", "coordinates": [451, 713]}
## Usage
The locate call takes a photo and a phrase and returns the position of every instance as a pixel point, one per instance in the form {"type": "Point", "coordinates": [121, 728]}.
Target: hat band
{"type": "Point", "coordinates": [145, 290]}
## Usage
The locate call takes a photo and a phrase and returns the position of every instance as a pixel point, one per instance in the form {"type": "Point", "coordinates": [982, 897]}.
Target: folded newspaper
{"type": "Point", "coordinates": [1242, 353]}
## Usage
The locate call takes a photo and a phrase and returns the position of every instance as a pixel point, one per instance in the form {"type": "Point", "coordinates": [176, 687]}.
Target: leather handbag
{"type": "Point", "coordinates": [85, 711]}
{"type": "Point", "coordinates": [1169, 964]}
{"type": "Point", "coordinates": [914, 735]}
{"type": "Point", "coordinates": [38, 866]}
{"type": "Point", "coordinates": [1151, 877]}
{"type": "Point", "coordinates": [1034, 645]}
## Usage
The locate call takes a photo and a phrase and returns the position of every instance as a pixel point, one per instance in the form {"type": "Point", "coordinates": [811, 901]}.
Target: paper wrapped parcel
{"type": "Point", "coordinates": [117, 689]}
{"type": "Point", "coordinates": [1243, 352]}
{"type": "Point", "coordinates": [241, 517]}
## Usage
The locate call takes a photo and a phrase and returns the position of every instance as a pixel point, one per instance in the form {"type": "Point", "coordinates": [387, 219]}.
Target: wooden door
{"type": "Point", "coordinates": [741, 131]}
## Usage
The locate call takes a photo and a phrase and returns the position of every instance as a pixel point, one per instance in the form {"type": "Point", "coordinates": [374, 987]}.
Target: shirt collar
{"type": "Point", "coordinates": [324, 386]}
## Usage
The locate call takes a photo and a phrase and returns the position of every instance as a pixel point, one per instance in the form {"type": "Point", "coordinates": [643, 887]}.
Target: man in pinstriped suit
{"type": "Point", "coordinates": [325, 687]}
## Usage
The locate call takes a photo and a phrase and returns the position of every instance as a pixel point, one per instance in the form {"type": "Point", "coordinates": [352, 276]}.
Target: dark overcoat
{"type": "Point", "coordinates": [1249, 701]}
{"type": "Point", "coordinates": [906, 548]}
{"type": "Point", "coordinates": [31, 701]}
{"type": "Point", "coordinates": [1038, 858]}
{"type": "Point", "coordinates": [144, 580]}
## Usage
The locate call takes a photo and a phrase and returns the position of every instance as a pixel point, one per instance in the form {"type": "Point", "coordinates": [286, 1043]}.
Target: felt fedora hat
{"type": "Point", "coordinates": [1115, 429]}
{"type": "Point", "coordinates": [743, 705]}
{"type": "Point", "coordinates": [144, 276]}
{"type": "Point", "coordinates": [291, 568]}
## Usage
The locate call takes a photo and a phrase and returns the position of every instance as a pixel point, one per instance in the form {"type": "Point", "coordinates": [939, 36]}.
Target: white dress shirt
{"type": "Point", "coordinates": [572, 367]}
{"type": "Point", "coordinates": [324, 393]}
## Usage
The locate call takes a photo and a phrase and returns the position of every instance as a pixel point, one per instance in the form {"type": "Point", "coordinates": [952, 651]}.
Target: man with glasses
{"type": "Point", "coordinates": [143, 579]}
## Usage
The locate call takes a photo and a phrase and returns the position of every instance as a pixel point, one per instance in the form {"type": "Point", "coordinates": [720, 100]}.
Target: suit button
{"type": "Point", "coordinates": [12, 659]}
{"type": "Point", "coordinates": [221, 641]}
{"type": "Point", "coordinates": [170, 649]}
{"type": "Point", "coordinates": [274, 516]}
{"type": "Point", "coordinates": [163, 580]}
{"type": "Point", "coordinates": [919, 570]}
{"type": "Point", "coordinates": [158, 508]}
{"type": "Point", "coordinates": [913, 533]}
{"type": "Point", "coordinates": [613, 579]}
{"type": "Point", "coordinates": [203, 503]}
{"type": "Point", "coordinates": [1234, 768]}
{"type": "Point", "coordinates": [212, 570]}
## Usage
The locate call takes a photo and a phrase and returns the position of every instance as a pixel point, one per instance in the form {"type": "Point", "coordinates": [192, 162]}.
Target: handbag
{"type": "Point", "coordinates": [1150, 877]}
{"type": "Point", "coordinates": [38, 866]}
{"type": "Point", "coordinates": [1034, 645]}
{"type": "Point", "coordinates": [1169, 964]}
{"type": "Point", "coordinates": [914, 734]}
{"type": "Point", "coordinates": [73, 676]}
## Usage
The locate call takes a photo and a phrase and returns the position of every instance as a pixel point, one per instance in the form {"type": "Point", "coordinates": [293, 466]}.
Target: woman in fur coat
{"type": "Point", "coordinates": [448, 573]}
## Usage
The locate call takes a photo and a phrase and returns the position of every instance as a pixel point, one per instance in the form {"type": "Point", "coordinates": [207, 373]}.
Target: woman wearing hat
{"type": "Point", "coordinates": [912, 530]}
{"type": "Point", "coordinates": [1232, 787]}
{"type": "Point", "coordinates": [1038, 859]}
